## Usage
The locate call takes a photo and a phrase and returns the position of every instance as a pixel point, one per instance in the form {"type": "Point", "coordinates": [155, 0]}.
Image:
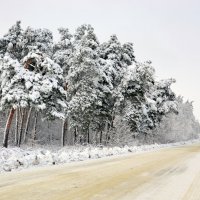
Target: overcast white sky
{"type": "Point", "coordinates": [164, 31]}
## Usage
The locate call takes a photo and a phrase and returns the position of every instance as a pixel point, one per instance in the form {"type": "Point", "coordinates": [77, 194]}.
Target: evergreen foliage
{"type": "Point", "coordinates": [93, 87]}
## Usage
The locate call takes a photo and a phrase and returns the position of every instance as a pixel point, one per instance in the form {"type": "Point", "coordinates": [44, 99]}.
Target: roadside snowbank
{"type": "Point", "coordinates": [21, 158]}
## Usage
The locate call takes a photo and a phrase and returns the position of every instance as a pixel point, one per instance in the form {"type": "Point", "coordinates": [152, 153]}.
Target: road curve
{"type": "Point", "coordinates": [171, 173]}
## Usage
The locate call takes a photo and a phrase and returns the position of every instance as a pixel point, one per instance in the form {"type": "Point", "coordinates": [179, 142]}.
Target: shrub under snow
{"type": "Point", "coordinates": [20, 158]}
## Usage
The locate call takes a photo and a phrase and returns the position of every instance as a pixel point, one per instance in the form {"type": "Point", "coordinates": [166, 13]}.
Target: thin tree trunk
{"type": "Point", "coordinates": [63, 134]}
{"type": "Point", "coordinates": [100, 137]}
{"type": "Point", "coordinates": [51, 137]}
{"type": "Point", "coordinates": [7, 128]}
{"type": "Point", "coordinates": [27, 124]}
{"type": "Point", "coordinates": [35, 127]}
{"type": "Point", "coordinates": [145, 137]}
{"type": "Point", "coordinates": [96, 137]}
{"type": "Point", "coordinates": [107, 128]}
{"type": "Point", "coordinates": [107, 137]}
{"type": "Point", "coordinates": [17, 127]}
{"type": "Point", "coordinates": [21, 126]}
{"type": "Point", "coordinates": [88, 135]}
{"type": "Point", "coordinates": [75, 135]}
{"type": "Point", "coordinates": [64, 128]}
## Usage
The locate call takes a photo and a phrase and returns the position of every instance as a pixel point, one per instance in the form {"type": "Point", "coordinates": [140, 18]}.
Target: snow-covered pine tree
{"type": "Point", "coordinates": [117, 58]}
{"type": "Point", "coordinates": [12, 42]}
{"type": "Point", "coordinates": [12, 93]}
{"type": "Point", "coordinates": [164, 99]}
{"type": "Point", "coordinates": [43, 81]}
{"type": "Point", "coordinates": [111, 51]}
{"type": "Point", "coordinates": [62, 50]}
{"type": "Point", "coordinates": [146, 101]}
{"type": "Point", "coordinates": [10, 49]}
{"type": "Point", "coordinates": [136, 86]}
{"type": "Point", "coordinates": [83, 79]}
{"type": "Point", "coordinates": [37, 83]}
{"type": "Point", "coordinates": [37, 39]}
{"type": "Point", "coordinates": [102, 113]}
{"type": "Point", "coordinates": [128, 56]}
{"type": "Point", "coordinates": [19, 43]}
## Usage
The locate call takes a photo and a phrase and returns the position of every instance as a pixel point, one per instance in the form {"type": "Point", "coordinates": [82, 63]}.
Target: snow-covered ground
{"type": "Point", "coordinates": [14, 158]}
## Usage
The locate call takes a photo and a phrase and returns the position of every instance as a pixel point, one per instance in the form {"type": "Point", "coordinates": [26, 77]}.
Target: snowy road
{"type": "Point", "coordinates": [172, 173]}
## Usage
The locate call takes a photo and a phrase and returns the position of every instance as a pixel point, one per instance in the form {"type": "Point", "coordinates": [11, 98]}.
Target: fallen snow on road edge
{"type": "Point", "coordinates": [14, 158]}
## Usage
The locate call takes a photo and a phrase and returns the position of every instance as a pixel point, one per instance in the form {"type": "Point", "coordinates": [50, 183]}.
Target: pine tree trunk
{"type": "Point", "coordinates": [107, 128]}
{"type": "Point", "coordinates": [75, 135]}
{"type": "Point", "coordinates": [145, 137]}
{"type": "Point", "coordinates": [27, 124]}
{"type": "Point", "coordinates": [96, 137]}
{"type": "Point", "coordinates": [17, 127]}
{"type": "Point", "coordinates": [35, 126]}
{"type": "Point", "coordinates": [64, 129]}
{"type": "Point", "coordinates": [100, 137]}
{"type": "Point", "coordinates": [107, 137]}
{"type": "Point", "coordinates": [88, 135]}
{"type": "Point", "coordinates": [7, 128]}
{"type": "Point", "coordinates": [21, 126]}
{"type": "Point", "coordinates": [51, 138]}
{"type": "Point", "coordinates": [63, 134]}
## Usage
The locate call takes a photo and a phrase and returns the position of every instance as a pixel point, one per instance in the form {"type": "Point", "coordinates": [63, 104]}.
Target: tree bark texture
{"type": "Point", "coordinates": [7, 128]}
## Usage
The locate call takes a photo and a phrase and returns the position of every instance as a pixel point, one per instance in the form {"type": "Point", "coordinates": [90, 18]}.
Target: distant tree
{"type": "Point", "coordinates": [181, 127]}
{"type": "Point", "coordinates": [145, 100]}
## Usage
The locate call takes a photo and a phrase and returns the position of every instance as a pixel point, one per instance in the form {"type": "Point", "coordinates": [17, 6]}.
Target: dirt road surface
{"type": "Point", "coordinates": [166, 174]}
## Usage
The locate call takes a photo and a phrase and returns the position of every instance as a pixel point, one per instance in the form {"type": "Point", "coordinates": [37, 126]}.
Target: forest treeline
{"type": "Point", "coordinates": [79, 91]}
